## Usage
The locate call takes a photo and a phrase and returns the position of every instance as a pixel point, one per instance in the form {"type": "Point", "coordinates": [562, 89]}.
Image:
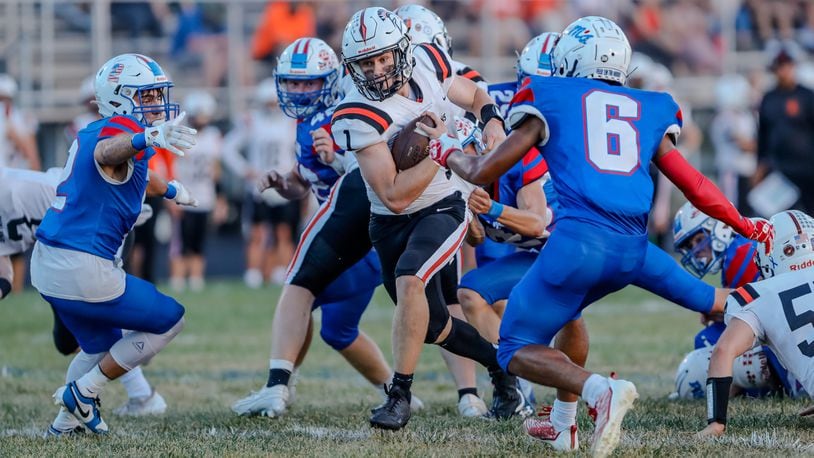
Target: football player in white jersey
{"type": "Point", "coordinates": [424, 26]}
{"type": "Point", "coordinates": [418, 217]}
{"type": "Point", "coordinates": [265, 133]}
{"type": "Point", "coordinates": [18, 145]}
{"type": "Point", "coordinates": [199, 170]}
{"type": "Point", "coordinates": [25, 196]}
{"type": "Point", "coordinates": [778, 312]}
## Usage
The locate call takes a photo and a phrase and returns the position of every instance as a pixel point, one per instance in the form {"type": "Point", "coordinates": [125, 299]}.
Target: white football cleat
{"type": "Point", "coordinates": [541, 428]}
{"type": "Point", "coordinates": [84, 408]}
{"type": "Point", "coordinates": [416, 404]}
{"type": "Point", "coordinates": [269, 402]}
{"type": "Point", "coordinates": [471, 406]}
{"type": "Point", "coordinates": [608, 413]}
{"type": "Point", "coordinates": [154, 404]}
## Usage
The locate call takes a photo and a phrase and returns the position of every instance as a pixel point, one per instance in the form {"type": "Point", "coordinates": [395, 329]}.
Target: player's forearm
{"type": "Point", "coordinates": [114, 150]}
{"type": "Point", "coordinates": [475, 235]}
{"type": "Point", "coordinates": [523, 222]}
{"type": "Point", "coordinates": [6, 276]}
{"type": "Point", "coordinates": [157, 186]}
{"type": "Point", "coordinates": [408, 185]}
{"type": "Point", "coordinates": [295, 187]}
{"type": "Point", "coordinates": [483, 170]}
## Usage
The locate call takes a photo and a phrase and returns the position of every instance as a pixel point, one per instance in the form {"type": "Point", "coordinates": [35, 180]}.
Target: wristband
{"type": "Point", "coordinates": [139, 141]}
{"type": "Point", "coordinates": [717, 399]}
{"type": "Point", "coordinates": [495, 210]}
{"type": "Point", "coordinates": [490, 111]}
{"type": "Point", "coordinates": [172, 191]}
{"type": "Point", "coordinates": [5, 288]}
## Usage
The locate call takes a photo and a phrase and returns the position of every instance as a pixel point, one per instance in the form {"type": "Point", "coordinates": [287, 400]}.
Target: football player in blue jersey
{"type": "Point", "coordinates": [333, 267]}
{"type": "Point", "coordinates": [76, 264]}
{"type": "Point", "coordinates": [605, 193]}
{"type": "Point", "coordinates": [708, 246]}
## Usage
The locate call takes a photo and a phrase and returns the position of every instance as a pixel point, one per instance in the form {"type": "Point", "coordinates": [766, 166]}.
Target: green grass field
{"type": "Point", "coordinates": [222, 354]}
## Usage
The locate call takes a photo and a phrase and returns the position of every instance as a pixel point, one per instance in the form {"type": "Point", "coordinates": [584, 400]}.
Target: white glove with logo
{"type": "Point", "coordinates": [177, 192]}
{"type": "Point", "coordinates": [171, 135]}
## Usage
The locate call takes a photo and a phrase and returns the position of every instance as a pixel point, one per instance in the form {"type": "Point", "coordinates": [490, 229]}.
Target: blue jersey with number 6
{"type": "Point", "coordinates": [599, 141]}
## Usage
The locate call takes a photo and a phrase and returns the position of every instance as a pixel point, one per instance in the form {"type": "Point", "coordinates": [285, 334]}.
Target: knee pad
{"type": "Point", "coordinates": [338, 338]}
{"type": "Point", "coordinates": [135, 348]}
{"type": "Point", "coordinates": [439, 314]}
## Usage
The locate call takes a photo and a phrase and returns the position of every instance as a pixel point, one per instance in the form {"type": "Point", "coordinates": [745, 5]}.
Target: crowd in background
{"type": "Point", "coordinates": [231, 154]}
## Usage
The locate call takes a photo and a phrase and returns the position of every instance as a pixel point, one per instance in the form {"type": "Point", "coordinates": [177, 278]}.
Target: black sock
{"type": "Point", "coordinates": [464, 391]}
{"type": "Point", "coordinates": [404, 382]}
{"type": "Point", "coordinates": [278, 377]}
{"type": "Point", "coordinates": [464, 340]}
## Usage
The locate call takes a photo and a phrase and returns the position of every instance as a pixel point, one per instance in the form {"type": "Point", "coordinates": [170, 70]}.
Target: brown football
{"type": "Point", "coordinates": [408, 146]}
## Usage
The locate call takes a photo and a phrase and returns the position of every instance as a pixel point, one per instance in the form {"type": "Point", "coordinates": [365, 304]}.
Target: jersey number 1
{"type": "Point", "coordinates": [611, 138]}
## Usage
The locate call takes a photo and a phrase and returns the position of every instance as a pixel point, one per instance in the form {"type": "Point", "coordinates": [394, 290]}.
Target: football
{"type": "Point", "coordinates": [410, 147]}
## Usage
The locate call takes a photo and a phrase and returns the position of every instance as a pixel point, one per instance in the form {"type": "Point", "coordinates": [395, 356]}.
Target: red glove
{"type": "Point", "coordinates": [441, 148]}
{"type": "Point", "coordinates": [760, 230]}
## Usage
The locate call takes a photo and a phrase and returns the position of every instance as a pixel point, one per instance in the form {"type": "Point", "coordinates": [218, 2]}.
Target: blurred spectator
{"type": "Point", "coordinates": [768, 14]}
{"type": "Point", "coordinates": [646, 31]}
{"type": "Point", "coordinates": [734, 137]}
{"type": "Point", "coordinates": [135, 19]}
{"type": "Point", "coordinates": [18, 130]}
{"type": "Point", "coordinates": [269, 139]}
{"type": "Point", "coordinates": [281, 24]}
{"type": "Point", "coordinates": [509, 29]}
{"type": "Point", "coordinates": [201, 33]}
{"type": "Point", "coordinates": [786, 129]}
{"type": "Point", "coordinates": [198, 170]}
{"type": "Point", "coordinates": [693, 40]}
{"type": "Point", "coordinates": [87, 98]}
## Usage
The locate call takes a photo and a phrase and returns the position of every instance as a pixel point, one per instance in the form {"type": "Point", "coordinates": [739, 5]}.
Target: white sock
{"type": "Point", "coordinates": [563, 415]}
{"type": "Point", "coordinates": [135, 384]}
{"type": "Point", "coordinates": [93, 382]}
{"type": "Point", "coordinates": [281, 364]}
{"type": "Point", "coordinates": [594, 388]}
{"type": "Point", "coordinates": [64, 420]}
{"type": "Point", "coordinates": [81, 364]}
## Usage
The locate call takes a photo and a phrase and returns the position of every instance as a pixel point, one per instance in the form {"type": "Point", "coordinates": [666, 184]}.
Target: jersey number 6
{"type": "Point", "coordinates": [611, 138]}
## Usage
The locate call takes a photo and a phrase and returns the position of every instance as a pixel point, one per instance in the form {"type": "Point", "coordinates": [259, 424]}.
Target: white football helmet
{"type": "Point", "coordinates": [266, 92]}
{"type": "Point", "coordinates": [688, 222]}
{"type": "Point", "coordinates": [535, 59]}
{"type": "Point", "coordinates": [658, 78]}
{"type": "Point", "coordinates": [732, 92]}
{"type": "Point", "coordinates": [307, 59]}
{"type": "Point", "coordinates": [640, 65]}
{"type": "Point", "coordinates": [87, 91]}
{"type": "Point", "coordinates": [691, 376]}
{"type": "Point", "coordinates": [751, 371]}
{"type": "Point", "coordinates": [8, 87]}
{"type": "Point", "coordinates": [200, 104]}
{"type": "Point", "coordinates": [469, 134]}
{"type": "Point", "coordinates": [592, 47]}
{"type": "Point", "coordinates": [792, 248]}
{"type": "Point", "coordinates": [424, 26]}
{"type": "Point", "coordinates": [370, 32]}
{"type": "Point", "coordinates": [121, 81]}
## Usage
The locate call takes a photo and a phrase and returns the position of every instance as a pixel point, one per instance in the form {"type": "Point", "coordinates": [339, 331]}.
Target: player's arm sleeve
{"type": "Point", "coordinates": [534, 167]}
{"type": "Point", "coordinates": [702, 192]}
{"type": "Point", "coordinates": [432, 57]}
{"type": "Point", "coordinates": [522, 106]}
{"type": "Point", "coordinates": [117, 125]}
{"type": "Point", "coordinates": [355, 126]}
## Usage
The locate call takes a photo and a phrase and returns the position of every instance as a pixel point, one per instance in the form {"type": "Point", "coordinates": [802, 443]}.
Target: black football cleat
{"type": "Point", "coordinates": [394, 413]}
{"type": "Point", "coordinates": [507, 398]}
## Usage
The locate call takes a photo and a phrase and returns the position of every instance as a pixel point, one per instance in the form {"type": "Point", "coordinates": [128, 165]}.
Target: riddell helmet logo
{"type": "Point", "coordinates": [803, 265]}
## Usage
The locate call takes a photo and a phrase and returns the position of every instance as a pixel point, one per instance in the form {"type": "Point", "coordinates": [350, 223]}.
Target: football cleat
{"type": "Point", "coordinates": [507, 398]}
{"type": "Point", "coordinates": [268, 402]}
{"type": "Point", "coordinates": [394, 413]}
{"type": "Point", "coordinates": [416, 404]}
{"type": "Point", "coordinates": [542, 429]}
{"type": "Point", "coordinates": [153, 404]}
{"type": "Point", "coordinates": [528, 391]}
{"type": "Point", "coordinates": [52, 432]}
{"type": "Point", "coordinates": [471, 406]}
{"type": "Point", "coordinates": [608, 414]}
{"type": "Point", "coordinates": [84, 408]}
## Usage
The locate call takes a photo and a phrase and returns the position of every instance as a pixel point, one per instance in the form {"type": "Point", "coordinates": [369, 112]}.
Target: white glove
{"type": "Point", "coordinates": [171, 135]}
{"type": "Point", "coordinates": [181, 196]}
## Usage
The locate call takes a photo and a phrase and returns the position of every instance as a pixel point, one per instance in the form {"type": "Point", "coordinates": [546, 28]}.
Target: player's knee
{"type": "Point", "coordinates": [338, 338]}
{"type": "Point", "coordinates": [408, 286]}
{"type": "Point", "coordinates": [471, 301]}
{"type": "Point", "coordinates": [438, 328]}
{"type": "Point", "coordinates": [171, 314]}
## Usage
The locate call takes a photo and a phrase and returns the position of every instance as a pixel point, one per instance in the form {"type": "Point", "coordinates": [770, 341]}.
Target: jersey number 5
{"type": "Point", "coordinates": [798, 321]}
{"type": "Point", "coordinates": [611, 138]}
